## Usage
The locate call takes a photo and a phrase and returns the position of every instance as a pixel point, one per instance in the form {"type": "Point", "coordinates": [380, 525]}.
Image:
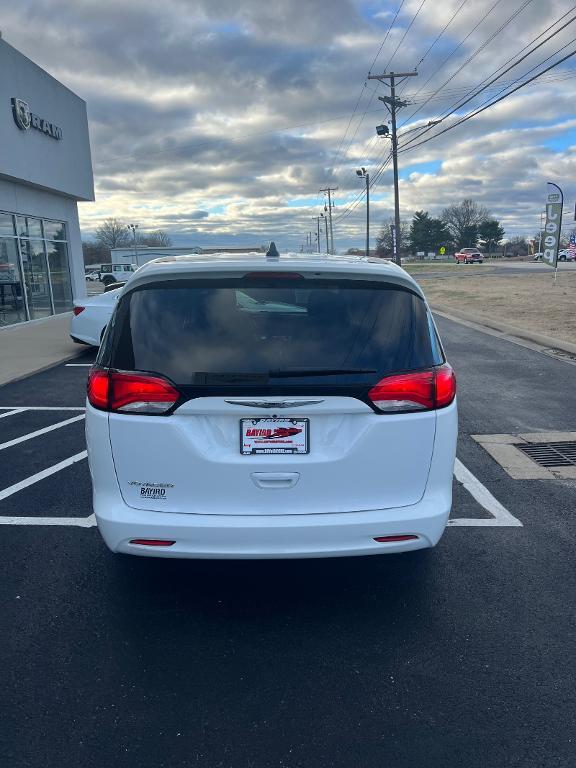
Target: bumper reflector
{"type": "Point", "coordinates": [152, 542]}
{"type": "Point", "coordinates": [384, 539]}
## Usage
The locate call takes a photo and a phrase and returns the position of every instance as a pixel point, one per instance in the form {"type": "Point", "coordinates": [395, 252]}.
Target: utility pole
{"type": "Point", "coordinates": [330, 249]}
{"type": "Point", "coordinates": [393, 105]}
{"type": "Point", "coordinates": [363, 173]}
{"type": "Point", "coordinates": [326, 228]}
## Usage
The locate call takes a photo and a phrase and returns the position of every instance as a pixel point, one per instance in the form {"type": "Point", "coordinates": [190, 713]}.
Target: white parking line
{"type": "Point", "coordinates": [41, 475]}
{"type": "Point", "coordinates": [40, 408]}
{"type": "Point", "coordinates": [500, 515]}
{"type": "Point", "coordinates": [11, 413]}
{"type": "Point", "coordinates": [39, 432]}
{"type": "Point", "coordinates": [78, 522]}
{"type": "Point", "coordinates": [79, 365]}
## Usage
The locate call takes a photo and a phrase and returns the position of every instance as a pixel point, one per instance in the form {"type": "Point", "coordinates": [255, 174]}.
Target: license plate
{"type": "Point", "coordinates": [258, 436]}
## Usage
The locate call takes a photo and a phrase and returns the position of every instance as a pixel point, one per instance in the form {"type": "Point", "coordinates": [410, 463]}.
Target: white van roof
{"type": "Point", "coordinates": [220, 264]}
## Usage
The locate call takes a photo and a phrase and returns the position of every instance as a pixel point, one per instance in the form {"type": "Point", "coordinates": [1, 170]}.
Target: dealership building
{"type": "Point", "coordinates": [45, 170]}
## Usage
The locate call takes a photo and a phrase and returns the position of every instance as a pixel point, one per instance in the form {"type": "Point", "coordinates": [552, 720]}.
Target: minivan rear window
{"type": "Point", "coordinates": [271, 331]}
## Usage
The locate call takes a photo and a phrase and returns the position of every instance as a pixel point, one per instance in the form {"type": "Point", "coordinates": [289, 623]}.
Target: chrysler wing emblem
{"type": "Point", "coordinates": [274, 403]}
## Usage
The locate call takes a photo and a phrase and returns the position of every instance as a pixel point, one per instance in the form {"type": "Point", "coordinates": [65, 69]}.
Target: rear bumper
{"type": "Point", "coordinates": [273, 536]}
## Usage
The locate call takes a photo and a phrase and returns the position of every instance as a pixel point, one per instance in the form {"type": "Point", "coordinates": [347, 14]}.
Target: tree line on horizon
{"type": "Point", "coordinates": [113, 233]}
{"type": "Point", "coordinates": [461, 225]}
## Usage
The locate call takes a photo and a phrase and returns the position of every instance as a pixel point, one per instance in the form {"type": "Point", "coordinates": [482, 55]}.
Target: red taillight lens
{"type": "Point", "coordinates": [420, 391]}
{"type": "Point", "coordinates": [405, 392]}
{"type": "Point", "coordinates": [77, 310]}
{"type": "Point", "coordinates": [130, 392]}
{"type": "Point", "coordinates": [152, 542]}
{"type": "Point", "coordinates": [135, 392]}
{"type": "Point", "coordinates": [445, 386]}
{"type": "Point", "coordinates": [98, 388]}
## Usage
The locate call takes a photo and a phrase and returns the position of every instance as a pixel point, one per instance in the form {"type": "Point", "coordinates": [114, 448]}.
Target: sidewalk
{"type": "Point", "coordinates": [30, 347]}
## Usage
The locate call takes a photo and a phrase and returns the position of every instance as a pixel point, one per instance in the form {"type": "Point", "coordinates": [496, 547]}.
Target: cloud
{"type": "Point", "coordinates": [221, 120]}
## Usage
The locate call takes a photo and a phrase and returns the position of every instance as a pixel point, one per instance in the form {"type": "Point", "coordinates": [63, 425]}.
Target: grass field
{"type": "Point", "coordinates": [529, 301]}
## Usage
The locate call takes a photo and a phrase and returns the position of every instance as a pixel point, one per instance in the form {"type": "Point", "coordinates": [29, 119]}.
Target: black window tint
{"type": "Point", "coordinates": [202, 333]}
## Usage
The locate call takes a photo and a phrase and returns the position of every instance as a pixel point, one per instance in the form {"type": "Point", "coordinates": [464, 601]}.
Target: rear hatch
{"type": "Point", "coordinates": [273, 373]}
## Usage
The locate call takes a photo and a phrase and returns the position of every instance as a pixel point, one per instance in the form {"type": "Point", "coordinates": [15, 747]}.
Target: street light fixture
{"type": "Point", "coordinates": [134, 227]}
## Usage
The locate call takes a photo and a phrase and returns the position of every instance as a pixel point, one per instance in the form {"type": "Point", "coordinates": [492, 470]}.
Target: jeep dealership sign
{"type": "Point", "coordinates": [554, 203]}
{"type": "Point", "coordinates": [26, 119]}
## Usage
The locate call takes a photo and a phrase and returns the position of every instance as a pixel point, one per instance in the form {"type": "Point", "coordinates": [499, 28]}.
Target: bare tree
{"type": "Point", "coordinates": [463, 220]}
{"type": "Point", "coordinates": [158, 238]}
{"type": "Point", "coordinates": [112, 233]}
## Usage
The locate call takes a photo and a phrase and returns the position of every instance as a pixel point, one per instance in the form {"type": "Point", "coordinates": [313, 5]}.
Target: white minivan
{"type": "Point", "coordinates": [250, 406]}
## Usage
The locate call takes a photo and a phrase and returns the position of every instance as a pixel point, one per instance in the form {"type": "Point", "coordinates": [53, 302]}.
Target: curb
{"type": "Point", "coordinates": [549, 342]}
{"type": "Point", "coordinates": [43, 368]}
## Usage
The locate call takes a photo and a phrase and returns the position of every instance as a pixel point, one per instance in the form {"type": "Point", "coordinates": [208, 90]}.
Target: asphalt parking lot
{"type": "Point", "coordinates": [459, 656]}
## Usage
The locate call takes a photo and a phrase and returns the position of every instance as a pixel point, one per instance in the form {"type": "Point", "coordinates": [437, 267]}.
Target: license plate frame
{"type": "Point", "coordinates": [282, 445]}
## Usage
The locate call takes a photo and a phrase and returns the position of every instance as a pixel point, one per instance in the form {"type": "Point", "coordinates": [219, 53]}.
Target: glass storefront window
{"type": "Point", "coordinates": [54, 230]}
{"type": "Point", "coordinates": [21, 226]}
{"type": "Point", "coordinates": [34, 227]}
{"type": "Point", "coordinates": [12, 309]}
{"type": "Point", "coordinates": [59, 276]}
{"type": "Point", "coordinates": [6, 224]}
{"type": "Point", "coordinates": [34, 268]}
{"type": "Point", "coordinates": [36, 282]}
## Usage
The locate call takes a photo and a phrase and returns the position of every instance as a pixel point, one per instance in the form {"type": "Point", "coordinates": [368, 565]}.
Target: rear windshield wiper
{"type": "Point", "coordinates": [297, 373]}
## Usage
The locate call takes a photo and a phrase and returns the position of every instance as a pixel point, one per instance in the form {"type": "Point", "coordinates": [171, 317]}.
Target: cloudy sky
{"type": "Point", "coordinates": [219, 121]}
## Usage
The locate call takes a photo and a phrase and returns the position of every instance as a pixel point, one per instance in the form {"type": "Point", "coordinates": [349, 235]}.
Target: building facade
{"type": "Point", "coordinates": [45, 170]}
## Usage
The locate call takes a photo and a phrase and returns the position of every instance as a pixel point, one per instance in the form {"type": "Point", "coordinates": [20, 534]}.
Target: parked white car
{"type": "Point", "coordinates": [271, 407]}
{"type": "Point", "coordinates": [91, 316]}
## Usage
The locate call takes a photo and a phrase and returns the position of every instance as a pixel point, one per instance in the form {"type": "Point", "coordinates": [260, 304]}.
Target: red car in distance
{"type": "Point", "coordinates": [469, 256]}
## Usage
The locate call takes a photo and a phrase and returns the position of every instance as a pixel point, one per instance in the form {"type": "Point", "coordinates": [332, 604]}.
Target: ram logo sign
{"type": "Point", "coordinates": [25, 119]}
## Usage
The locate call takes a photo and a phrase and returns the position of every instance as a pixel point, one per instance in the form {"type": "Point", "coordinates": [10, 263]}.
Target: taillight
{"type": "Point", "coordinates": [98, 388]}
{"type": "Point", "coordinates": [419, 391]}
{"type": "Point", "coordinates": [77, 310]}
{"type": "Point", "coordinates": [445, 386]}
{"type": "Point", "coordinates": [130, 392]}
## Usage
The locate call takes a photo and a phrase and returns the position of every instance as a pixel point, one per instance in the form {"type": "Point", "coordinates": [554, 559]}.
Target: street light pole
{"type": "Point", "coordinates": [363, 173]}
{"type": "Point", "coordinates": [134, 227]}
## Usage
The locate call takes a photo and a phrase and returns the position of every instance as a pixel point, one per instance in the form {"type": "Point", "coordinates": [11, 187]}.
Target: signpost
{"type": "Point", "coordinates": [553, 227]}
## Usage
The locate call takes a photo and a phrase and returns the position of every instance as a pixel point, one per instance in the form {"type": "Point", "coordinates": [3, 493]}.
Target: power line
{"type": "Point", "coordinates": [430, 98]}
{"type": "Point", "coordinates": [480, 48]}
{"type": "Point", "coordinates": [479, 90]}
{"type": "Point", "coordinates": [492, 103]}
{"type": "Point", "coordinates": [408, 28]}
{"type": "Point", "coordinates": [336, 166]}
{"type": "Point", "coordinates": [386, 36]}
{"type": "Point", "coordinates": [454, 15]}
{"type": "Point", "coordinates": [454, 51]}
